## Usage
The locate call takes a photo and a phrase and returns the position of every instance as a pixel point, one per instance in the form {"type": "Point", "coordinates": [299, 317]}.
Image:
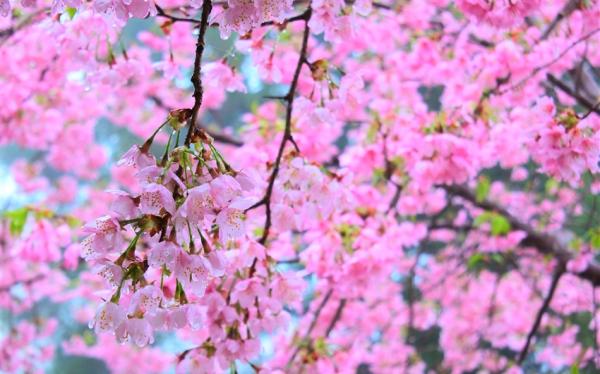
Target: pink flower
{"type": "Point", "coordinates": [42, 244]}
{"type": "Point", "coordinates": [145, 300]}
{"type": "Point", "coordinates": [288, 288]}
{"type": "Point", "coordinates": [223, 189]}
{"type": "Point", "coordinates": [71, 256]}
{"type": "Point", "coordinates": [104, 237]}
{"type": "Point", "coordinates": [28, 175]}
{"type": "Point", "coordinates": [124, 9]}
{"type": "Point", "coordinates": [246, 181]}
{"type": "Point", "coordinates": [137, 330]}
{"type": "Point", "coordinates": [163, 253]}
{"type": "Point", "coordinates": [193, 272]}
{"type": "Point", "coordinates": [231, 220]}
{"type": "Point", "coordinates": [109, 317]}
{"type": "Point", "coordinates": [198, 204]}
{"type": "Point", "coordinates": [4, 8]}
{"type": "Point", "coordinates": [220, 75]}
{"type": "Point", "coordinates": [58, 6]}
{"type": "Point", "coordinates": [580, 262]}
{"type": "Point", "coordinates": [136, 158]}
{"type": "Point", "coordinates": [246, 291]}
{"type": "Point", "coordinates": [123, 205]}
{"type": "Point", "coordinates": [498, 12]}
{"type": "Point", "coordinates": [195, 315]}
{"type": "Point", "coordinates": [111, 273]}
{"type": "Point", "coordinates": [217, 263]}
{"type": "Point", "coordinates": [66, 190]}
{"type": "Point", "coordinates": [155, 198]}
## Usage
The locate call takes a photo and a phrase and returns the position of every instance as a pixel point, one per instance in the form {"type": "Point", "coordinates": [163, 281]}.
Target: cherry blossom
{"type": "Point", "coordinates": [300, 186]}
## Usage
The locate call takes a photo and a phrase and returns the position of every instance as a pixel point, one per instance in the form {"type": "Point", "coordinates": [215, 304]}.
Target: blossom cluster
{"type": "Point", "coordinates": [168, 254]}
{"type": "Point", "coordinates": [390, 186]}
{"type": "Point", "coordinates": [499, 13]}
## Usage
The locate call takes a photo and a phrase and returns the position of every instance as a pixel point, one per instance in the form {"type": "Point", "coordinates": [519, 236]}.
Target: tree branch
{"type": "Point", "coordinates": [544, 243]}
{"type": "Point", "coordinates": [197, 74]}
{"type": "Point", "coordinates": [336, 317]}
{"type": "Point", "coordinates": [545, 305]}
{"type": "Point", "coordinates": [311, 327]}
{"type": "Point", "coordinates": [287, 135]}
{"type": "Point", "coordinates": [539, 68]}
{"type": "Point", "coordinates": [592, 107]}
{"type": "Point", "coordinates": [160, 12]}
{"type": "Point", "coordinates": [565, 12]}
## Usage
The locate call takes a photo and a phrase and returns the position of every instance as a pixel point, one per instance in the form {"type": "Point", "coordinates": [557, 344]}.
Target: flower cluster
{"type": "Point", "coordinates": [241, 16]}
{"type": "Point", "coordinates": [387, 198]}
{"type": "Point", "coordinates": [189, 208]}
{"type": "Point", "coordinates": [295, 209]}
{"type": "Point", "coordinates": [171, 257]}
{"type": "Point", "coordinates": [498, 13]}
{"type": "Point", "coordinates": [565, 146]}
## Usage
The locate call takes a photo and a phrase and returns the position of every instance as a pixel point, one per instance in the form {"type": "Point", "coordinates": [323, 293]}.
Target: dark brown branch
{"type": "Point", "coordinates": [544, 243]}
{"type": "Point", "coordinates": [197, 74]}
{"type": "Point", "coordinates": [299, 17]}
{"type": "Point", "coordinates": [376, 4]}
{"type": "Point", "coordinates": [538, 319]}
{"type": "Point", "coordinates": [336, 317]}
{"type": "Point", "coordinates": [160, 12]}
{"type": "Point", "coordinates": [6, 34]}
{"type": "Point", "coordinates": [482, 42]}
{"type": "Point", "coordinates": [411, 293]}
{"type": "Point", "coordinates": [565, 12]}
{"type": "Point", "coordinates": [287, 134]}
{"type": "Point", "coordinates": [592, 107]}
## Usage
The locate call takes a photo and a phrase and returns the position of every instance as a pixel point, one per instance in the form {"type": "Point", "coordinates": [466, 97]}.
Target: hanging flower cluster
{"type": "Point", "coordinates": [171, 256]}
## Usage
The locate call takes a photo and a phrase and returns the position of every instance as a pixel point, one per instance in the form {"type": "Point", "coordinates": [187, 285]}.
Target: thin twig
{"type": "Point", "coordinates": [311, 327]}
{"type": "Point", "coordinates": [592, 108]}
{"type": "Point", "coordinates": [336, 317]}
{"type": "Point", "coordinates": [160, 12]}
{"type": "Point", "coordinates": [539, 68]}
{"type": "Point", "coordinates": [565, 12]}
{"type": "Point", "coordinates": [538, 319]}
{"type": "Point", "coordinates": [287, 135]}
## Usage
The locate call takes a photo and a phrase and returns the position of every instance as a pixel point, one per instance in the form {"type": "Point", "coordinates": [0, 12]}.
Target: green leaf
{"type": "Point", "coordinates": [73, 222]}
{"type": "Point", "coordinates": [88, 338]}
{"type": "Point", "coordinates": [372, 132]}
{"type": "Point", "coordinates": [497, 257]}
{"type": "Point", "coordinates": [575, 369]}
{"type": "Point", "coordinates": [474, 261]}
{"type": "Point", "coordinates": [17, 218]}
{"type": "Point", "coordinates": [595, 238]}
{"type": "Point", "coordinates": [500, 225]}
{"type": "Point", "coordinates": [551, 185]}
{"type": "Point", "coordinates": [483, 189]}
{"type": "Point", "coordinates": [320, 346]}
{"type": "Point", "coordinates": [482, 218]}
{"type": "Point", "coordinates": [71, 12]}
{"type": "Point", "coordinates": [378, 176]}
